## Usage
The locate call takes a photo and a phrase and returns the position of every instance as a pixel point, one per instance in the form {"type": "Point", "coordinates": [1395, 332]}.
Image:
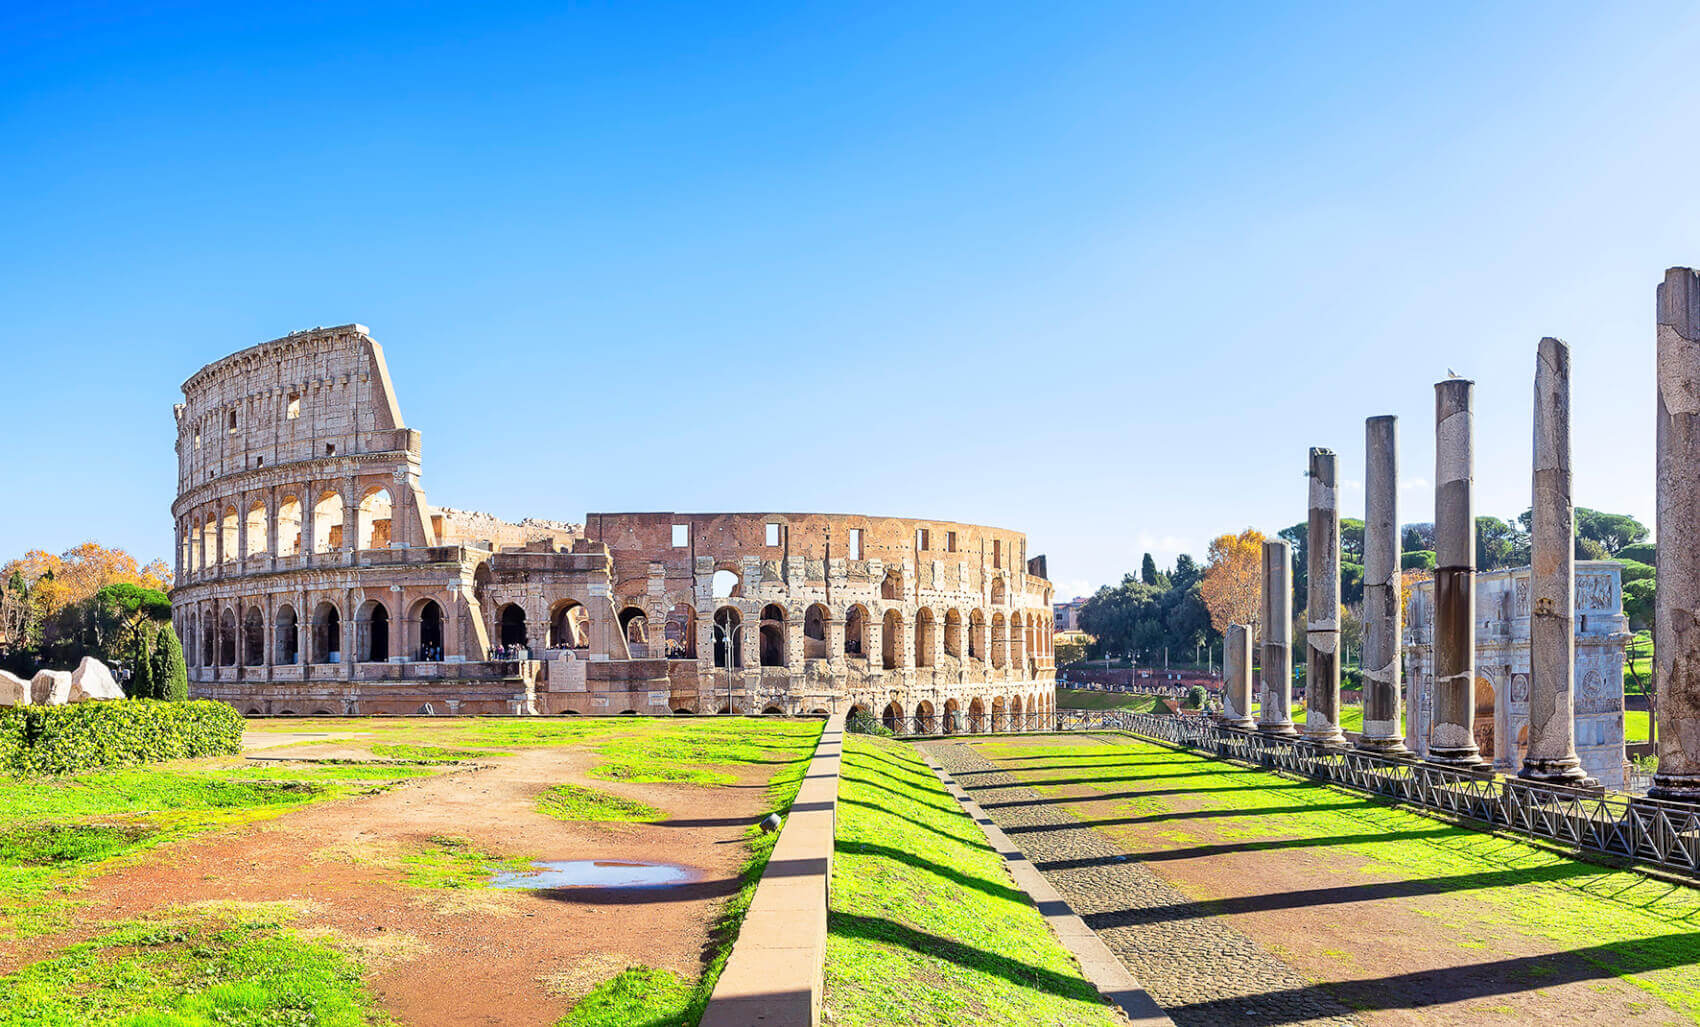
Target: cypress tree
{"type": "Point", "coordinates": [170, 673]}
{"type": "Point", "coordinates": [141, 684]}
{"type": "Point", "coordinates": [1148, 570]}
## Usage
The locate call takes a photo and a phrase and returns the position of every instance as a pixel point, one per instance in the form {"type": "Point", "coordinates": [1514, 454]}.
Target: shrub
{"type": "Point", "coordinates": [170, 674]}
{"type": "Point", "coordinates": [1641, 552]}
{"type": "Point", "coordinates": [1195, 697]}
{"type": "Point", "coordinates": [1417, 560]}
{"type": "Point", "coordinates": [861, 722]}
{"type": "Point", "coordinates": [83, 736]}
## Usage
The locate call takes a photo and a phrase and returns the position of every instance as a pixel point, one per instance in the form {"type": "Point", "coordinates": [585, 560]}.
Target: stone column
{"type": "Point", "coordinates": [1451, 740]}
{"type": "Point", "coordinates": [1676, 628]}
{"type": "Point", "coordinates": [1322, 603]}
{"type": "Point", "coordinates": [1383, 619]}
{"type": "Point", "coordinates": [1551, 755]}
{"type": "Point", "coordinates": [1236, 679]}
{"type": "Point", "coordinates": [1276, 716]}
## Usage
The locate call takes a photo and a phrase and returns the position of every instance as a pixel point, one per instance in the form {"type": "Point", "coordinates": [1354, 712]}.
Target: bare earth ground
{"type": "Point", "coordinates": [463, 956]}
{"type": "Point", "coordinates": [1394, 947]}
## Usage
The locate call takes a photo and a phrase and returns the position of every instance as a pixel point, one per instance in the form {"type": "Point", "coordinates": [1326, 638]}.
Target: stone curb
{"type": "Point", "coordinates": [1099, 965]}
{"type": "Point", "coordinates": [776, 972]}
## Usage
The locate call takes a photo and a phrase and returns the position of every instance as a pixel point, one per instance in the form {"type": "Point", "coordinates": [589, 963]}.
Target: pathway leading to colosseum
{"type": "Point", "coordinates": [1237, 896]}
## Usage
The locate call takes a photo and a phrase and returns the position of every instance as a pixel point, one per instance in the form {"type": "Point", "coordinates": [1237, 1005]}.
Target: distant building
{"type": "Point", "coordinates": [1067, 615]}
{"type": "Point", "coordinates": [1502, 668]}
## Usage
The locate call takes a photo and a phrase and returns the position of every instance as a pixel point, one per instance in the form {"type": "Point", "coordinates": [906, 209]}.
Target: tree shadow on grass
{"type": "Point", "coordinates": [896, 855]}
{"type": "Point", "coordinates": [1222, 849]}
{"type": "Point", "coordinates": [971, 834]}
{"type": "Point", "coordinates": [933, 946]}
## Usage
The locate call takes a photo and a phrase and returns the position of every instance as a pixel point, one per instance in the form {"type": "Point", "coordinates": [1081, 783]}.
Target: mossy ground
{"type": "Point", "coordinates": [926, 927]}
{"type": "Point", "coordinates": [576, 802]}
{"type": "Point", "coordinates": [1638, 929]}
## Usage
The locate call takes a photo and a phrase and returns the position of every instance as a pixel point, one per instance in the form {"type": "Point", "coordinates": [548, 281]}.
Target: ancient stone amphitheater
{"type": "Point", "coordinates": [313, 577]}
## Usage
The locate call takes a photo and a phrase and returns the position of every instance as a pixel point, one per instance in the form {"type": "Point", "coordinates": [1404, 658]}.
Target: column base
{"type": "Point", "coordinates": [1331, 739]}
{"type": "Point", "coordinates": [1566, 770]}
{"type": "Point", "coordinates": [1237, 723]}
{"type": "Point", "coordinates": [1392, 748]}
{"type": "Point", "coordinates": [1675, 788]}
{"type": "Point", "coordinates": [1287, 730]}
{"type": "Point", "coordinates": [1468, 760]}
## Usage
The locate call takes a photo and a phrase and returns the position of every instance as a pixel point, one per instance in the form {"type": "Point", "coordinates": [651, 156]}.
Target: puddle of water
{"type": "Point", "coordinates": [596, 873]}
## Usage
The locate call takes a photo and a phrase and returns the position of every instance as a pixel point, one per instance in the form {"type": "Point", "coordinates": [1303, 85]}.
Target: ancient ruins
{"type": "Point", "coordinates": [313, 577]}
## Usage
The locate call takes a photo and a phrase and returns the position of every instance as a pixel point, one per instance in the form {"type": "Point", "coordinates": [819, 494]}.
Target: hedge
{"type": "Point", "coordinates": [83, 736]}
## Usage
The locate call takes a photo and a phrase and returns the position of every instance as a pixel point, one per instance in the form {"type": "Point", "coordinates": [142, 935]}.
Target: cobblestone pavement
{"type": "Point", "coordinates": [1199, 969]}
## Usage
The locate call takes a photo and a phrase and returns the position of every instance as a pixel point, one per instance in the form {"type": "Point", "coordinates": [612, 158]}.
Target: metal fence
{"type": "Point", "coordinates": [1662, 834]}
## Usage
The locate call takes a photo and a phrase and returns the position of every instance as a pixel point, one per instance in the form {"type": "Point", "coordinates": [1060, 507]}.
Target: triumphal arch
{"type": "Point", "coordinates": [314, 577]}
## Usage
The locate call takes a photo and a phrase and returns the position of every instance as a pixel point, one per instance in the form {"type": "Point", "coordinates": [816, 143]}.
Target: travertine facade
{"type": "Point", "coordinates": [1500, 692]}
{"type": "Point", "coordinates": [313, 577]}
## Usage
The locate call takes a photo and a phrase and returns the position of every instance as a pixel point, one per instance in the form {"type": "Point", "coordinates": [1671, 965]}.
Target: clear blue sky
{"type": "Point", "coordinates": [1098, 273]}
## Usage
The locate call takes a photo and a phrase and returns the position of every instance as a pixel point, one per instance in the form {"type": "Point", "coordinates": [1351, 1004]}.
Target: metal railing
{"type": "Point", "coordinates": [1649, 831]}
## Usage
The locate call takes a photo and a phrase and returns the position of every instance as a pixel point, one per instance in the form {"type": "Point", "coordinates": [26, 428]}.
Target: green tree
{"type": "Point", "coordinates": [1499, 544]}
{"type": "Point", "coordinates": [170, 674]}
{"type": "Point", "coordinates": [1645, 552]}
{"type": "Point", "coordinates": [1351, 540]}
{"type": "Point", "coordinates": [1187, 573]}
{"type": "Point", "coordinates": [1417, 537]}
{"type": "Point", "coordinates": [1148, 570]}
{"type": "Point", "coordinates": [1638, 602]}
{"type": "Point", "coordinates": [141, 684]}
{"type": "Point", "coordinates": [1417, 560]}
{"type": "Point", "coordinates": [1590, 549]}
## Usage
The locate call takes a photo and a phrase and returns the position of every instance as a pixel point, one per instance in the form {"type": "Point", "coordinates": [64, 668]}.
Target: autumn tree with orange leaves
{"type": "Point", "coordinates": [53, 610]}
{"type": "Point", "coordinates": [1233, 580]}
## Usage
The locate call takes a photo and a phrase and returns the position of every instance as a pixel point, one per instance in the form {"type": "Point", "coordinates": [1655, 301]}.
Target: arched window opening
{"type": "Point", "coordinates": [569, 626]}
{"type": "Point", "coordinates": [327, 523]}
{"type": "Point", "coordinates": [1015, 721]}
{"type": "Point", "coordinates": [1000, 715]}
{"type": "Point", "coordinates": [374, 624]}
{"type": "Point", "coordinates": [998, 593]}
{"type": "Point", "coordinates": [892, 587]}
{"type": "Point", "coordinates": [327, 634]}
{"type": "Point", "coordinates": [726, 585]}
{"type": "Point", "coordinates": [924, 638]}
{"type": "Point", "coordinates": [512, 627]}
{"type": "Point", "coordinates": [856, 632]}
{"type": "Point", "coordinates": [253, 638]}
{"type": "Point", "coordinates": [681, 632]}
{"type": "Point", "coordinates": [289, 527]}
{"type": "Point", "coordinates": [814, 632]}
{"type": "Point", "coordinates": [375, 510]}
{"type": "Point", "coordinates": [728, 636]}
{"type": "Point", "coordinates": [892, 643]}
{"type": "Point", "coordinates": [893, 718]}
{"type": "Point", "coordinates": [1000, 641]}
{"type": "Point", "coordinates": [924, 720]}
{"type": "Point", "coordinates": [227, 638]}
{"type": "Point", "coordinates": [229, 532]}
{"type": "Point", "coordinates": [977, 636]}
{"type": "Point", "coordinates": [952, 714]}
{"type": "Point", "coordinates": [634, 624]}
{"type": "Point", "coordinates": [257, 543]}
{"type": "Point", "coordinates": [209, 641]}
{"type": "Point", "coordinates": [953, 633]}
{"type": "Point", "coordinates": [288, 643]}
{"type": "Point", "coordinates": [430, 631]}
{"type": "Point", "coordinates": [772, 636]}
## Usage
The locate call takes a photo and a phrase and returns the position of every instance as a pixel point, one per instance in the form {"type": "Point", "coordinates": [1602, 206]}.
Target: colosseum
{"type": "Point", "coordinates": [313, 577]}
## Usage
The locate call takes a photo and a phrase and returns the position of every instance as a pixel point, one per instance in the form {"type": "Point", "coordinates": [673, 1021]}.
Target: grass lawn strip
{"type": "Point", "coordinates": [1641, 930]}
{"type": "Point", "coordinates": [576, 802]}
{"type": "Point", "coordinates": [925, 926]}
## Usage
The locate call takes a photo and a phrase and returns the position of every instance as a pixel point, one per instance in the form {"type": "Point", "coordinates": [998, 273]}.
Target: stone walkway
{"type": "Point", "coordinates": [1200, 970]}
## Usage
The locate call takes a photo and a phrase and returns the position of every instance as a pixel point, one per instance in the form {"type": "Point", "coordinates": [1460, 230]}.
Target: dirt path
{"type": "Point", "coordinates": [1397, 947]}
{"type": "Point", "coordinates": [469, 956]}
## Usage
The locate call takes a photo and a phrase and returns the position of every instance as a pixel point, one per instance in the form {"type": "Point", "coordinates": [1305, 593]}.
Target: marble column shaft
{"type": "Point", "coordinates": [1551, 755]}
{"type": "Point", "coordinates": [1383, 616]}
{"type": "Point", "coordinates": [1276, 716]}
{"type": "Point", "coordinates": [1451, 738]}
{"type": "Point", "coordinates": [1322, 602]}
{"type": "Point", "coordinates": [1236, 678]}
{"type": "Point", "coordinates": [1676, 604]}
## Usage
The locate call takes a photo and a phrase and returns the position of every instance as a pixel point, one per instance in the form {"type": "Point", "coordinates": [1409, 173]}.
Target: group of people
{"type": "Point", "coordinates": [510, 652]}
{"type": "Point", "coordinates": [430, 652]}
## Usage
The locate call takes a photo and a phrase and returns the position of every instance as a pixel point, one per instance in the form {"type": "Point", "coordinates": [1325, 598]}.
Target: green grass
{"type": "Point", "coordinates": [414, 753]}
{"type": "Point", "coordinates": [235, 966]}
{"type": "Point", "coordinates": [1637, 726]}
{"type": "Point", "coordinates": [639, 996]}
{"type": "Point", "coordinates": [1631, 927]}
{"type": "Point", "coordinates": [448, 861]}
{"type": "Point", "coordinates": [1087, 699]}
{"type": "Point", "coordinates": [1351, 717]}
{"type": "Point", "coordinates": [573, 802]}
{"type": "Point", "coordinates": [925, 926]}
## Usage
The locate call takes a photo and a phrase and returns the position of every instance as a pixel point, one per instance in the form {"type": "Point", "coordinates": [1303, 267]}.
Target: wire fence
{"type": "Point", "coordinates": [1632, 827]}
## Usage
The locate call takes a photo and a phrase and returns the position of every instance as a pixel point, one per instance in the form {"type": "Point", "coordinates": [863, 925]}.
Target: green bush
{"type": "Point", "coordinates": [83, 736]}
{"type": "Point", "coordinates": [1641, 552]}
{"type": "Point", "coordinates": [1635, 570]}
{"type": "Point", "coordinates": [861, 722]}
{"type": "Point", "coordinates": [1417, 560]}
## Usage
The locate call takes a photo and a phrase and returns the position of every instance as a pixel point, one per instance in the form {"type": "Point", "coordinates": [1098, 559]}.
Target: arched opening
{"type": "Point", "coordinates": [253, 638]}
{"type": "Point", "coordinates": [569, 625]}
{"type": "Point", "coordinates": [925, 723]}
{"type": "Point", "coordinates": [375, 519]}
{"type": "Point", "coordinates": [976, 716]}
{"type": "Point", "coordinates": [726, 585]}
{"type": "Point", "coordinates": [227, 638]}
{"type": "Point", "coordinates": [1000, 641]}
{"type": "Point", "coordinates": [772, 711]}
{"type": "Point", "coordinates": [953, 633]}
{"type": "Point", "coordinates": [327, 634]}
{"type": "Point", "coordinates": [728, 633]}
{"type": "Point", "coordinates": [257, 544]}
{"type": "Point", "coordinates": [814, 632]}
{"type": "Point", "coordinates": [952, 714]}
{"type": "Point", "coordinates": [924, 637]}
{"type": "Point", "coordinates": [209, 541]}
{"type": "Point", "coordinates": [998, 592]}
{"type": "Point", "coordinates": [681, 632]}
{"type": "Point", "coordinates": [892, 587]}
{"type": "Point", "coordinates": [634, 625]}
{"type": "Point", "coordinates": [977, 636]}
{"type": "Point", "coordinates": [511, 632]}
{"type": "Point", "coordinates": [1016, 723]}
{"type": "Point", "coordinates": [1484, 719]}
{"type": "Point", "coordinates": [772, 636]}
{"type": "Point", "coordinates": [893, 718]}
{"type": "Point", "coordinates": [892, 644]}
{"type": "Point", "coordinates": [287, 635]}
{"type": "Point", "coordinates": [373, 620]}
{"type": "Point", "coordinates": [856, 631]}
{"type": "Point", "coordinates": [289, 527]}
{"type": "Point", "coordinates": [1000, 714]}
{"type": "Point", "coordinates": [327, 522]}
{"type": "Point", "coordinates": [209, 641]}
{"type": "Point", "coordinates": [430, 617]}
{"type": "Point", "coordinates": [230, 536]}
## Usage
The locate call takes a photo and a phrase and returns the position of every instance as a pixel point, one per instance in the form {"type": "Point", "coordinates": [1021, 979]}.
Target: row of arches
{"type": "Point", "coordinates": [1003, 713]}
{"type": "Point", "coordinates": [241, 636]}
{"type": "Point", "coordinates": [212, 538]}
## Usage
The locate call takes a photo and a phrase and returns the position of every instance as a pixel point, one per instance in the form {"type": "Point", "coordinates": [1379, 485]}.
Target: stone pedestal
{"type": "Point", "coordinates": [1322, 603]}
{"type": "Point", "coordinates": [1276, 717]}
{"type": "Point", "coordinates": [1676, 628]}
{"type": "Point", "coordinates": [1236, 679]}
{"type": "Point", "coordinates": [1383, 616]}
{"type": "Point", "coordinates": [1551, 755]}
{"type": "Point", "coordinates": [1452, 741]}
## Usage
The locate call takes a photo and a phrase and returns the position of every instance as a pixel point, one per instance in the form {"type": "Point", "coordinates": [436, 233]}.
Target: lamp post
{"type": "Point", "coordinates": [731, 659]}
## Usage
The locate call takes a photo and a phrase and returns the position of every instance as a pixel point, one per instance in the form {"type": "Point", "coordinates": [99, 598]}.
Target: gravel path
{"type": "Point", "coordinates": [1200, 970]}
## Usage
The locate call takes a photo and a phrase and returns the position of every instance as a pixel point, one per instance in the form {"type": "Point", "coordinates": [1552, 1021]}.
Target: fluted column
{"type": "Point", "coordinates": [1383, 619]}
{"type": "Point", "coordinates": [1676, 627]}
{"type": "Point", "coordinates": [1276, 716]}
{"type": "Point", "coordinates": [1551, 755]}
{"type": "Point", "coordinates": [1236, 679]}
{"type": "Point", "coordinates": [1322, 603]}
{"type": "Point", "coordinates": [1451, 740]}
